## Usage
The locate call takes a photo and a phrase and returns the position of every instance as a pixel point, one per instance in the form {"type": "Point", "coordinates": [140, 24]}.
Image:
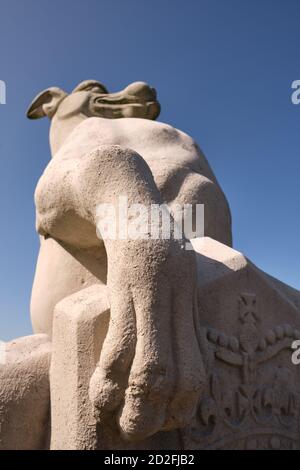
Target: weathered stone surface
{"type": "Point", "coordinates": [247, 323]}
{"type": "Point", "coordinates": [180, 170]}
{"type": "Point", "coordinates": [153, 346]}
{"type": "Point", "coordinates": [150, 367]}
{"type": "Point", "coordinates": [80, 326]}
{"type": "Point", "coordinates": [25, 394]}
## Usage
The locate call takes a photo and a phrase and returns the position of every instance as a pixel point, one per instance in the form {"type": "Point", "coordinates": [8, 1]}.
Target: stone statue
{"type": "Point", "coordinates": [143, 342]}
{"type": "Point", "coordinates": [104, 146]}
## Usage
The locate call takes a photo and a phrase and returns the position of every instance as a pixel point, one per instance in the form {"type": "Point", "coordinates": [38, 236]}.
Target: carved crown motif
{"type": "Point", "coordinates": [251, 400]}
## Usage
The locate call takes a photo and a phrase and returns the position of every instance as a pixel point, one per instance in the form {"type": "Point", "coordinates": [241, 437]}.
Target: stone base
{"type": "Point", "coordinates": [246, 325]}
{"type": "Point", "coordinates": [25, 394]}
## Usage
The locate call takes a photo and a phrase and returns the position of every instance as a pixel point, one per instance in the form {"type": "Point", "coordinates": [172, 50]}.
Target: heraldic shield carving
{"type": "Point", "coordinates": [252, 395]}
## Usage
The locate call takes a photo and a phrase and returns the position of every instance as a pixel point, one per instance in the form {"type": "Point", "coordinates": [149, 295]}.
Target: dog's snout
{"type": "Point", "coordinates": [141, 90]}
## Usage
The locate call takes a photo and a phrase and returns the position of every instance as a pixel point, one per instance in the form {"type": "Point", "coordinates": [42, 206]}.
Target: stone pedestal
{"type": "Point", "coordinates": [79, 330]}
{"type": "Point", "coordinates": [247, 322]}
{"type": "Point", "coordinates": [25, 394]}
{"type": "Point", "coordinates": [246, 325]}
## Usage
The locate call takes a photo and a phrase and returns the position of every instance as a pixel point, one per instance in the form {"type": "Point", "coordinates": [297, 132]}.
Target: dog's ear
{"type": "Point", "coordinates": [46, 103]}
{"type": "Point", "coordinates": [91, 85]}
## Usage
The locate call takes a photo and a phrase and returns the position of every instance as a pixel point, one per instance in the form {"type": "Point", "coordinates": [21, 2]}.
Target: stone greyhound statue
{"type": "Point", "coordinates": [105, 145]}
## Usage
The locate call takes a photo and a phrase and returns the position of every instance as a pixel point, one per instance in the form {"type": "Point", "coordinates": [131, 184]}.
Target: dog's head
{"type": "Point", "coordinates": [91, 99]}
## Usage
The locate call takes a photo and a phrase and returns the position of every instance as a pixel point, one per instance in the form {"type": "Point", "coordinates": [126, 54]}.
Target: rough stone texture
{"type": "Point", "coordinates": [25, 394]}
{"type": "Point", "coordinates": [80, 326]}
{"type": "Point", "coordinates": [245, 325]}
{"type": "Point", "coordinates": [248, 322]}
{"type": "Point", "coordinates": [180, 170]}
{"type": "Point", "coordinates": [150, 368]}
{"type": "Point", "coordinates": [153, 346]}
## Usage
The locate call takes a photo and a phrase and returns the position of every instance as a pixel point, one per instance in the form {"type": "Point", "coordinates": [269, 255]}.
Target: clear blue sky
{"type": "Point", "coordinates": [223, 70]}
